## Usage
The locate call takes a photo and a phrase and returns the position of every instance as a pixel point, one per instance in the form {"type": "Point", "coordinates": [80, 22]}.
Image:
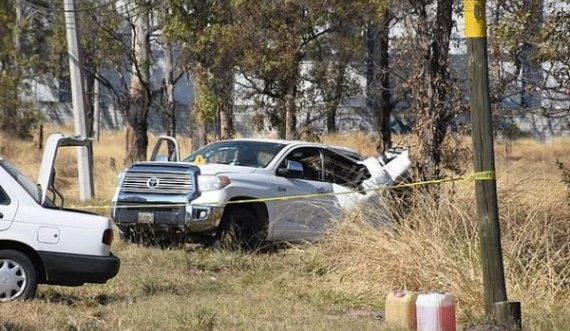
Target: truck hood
{"type": "Point", "coordinates": [217, 169]}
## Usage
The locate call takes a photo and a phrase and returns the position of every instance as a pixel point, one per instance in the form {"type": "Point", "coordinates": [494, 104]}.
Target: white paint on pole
{"type": "Point", "coordinates": [78, 100]}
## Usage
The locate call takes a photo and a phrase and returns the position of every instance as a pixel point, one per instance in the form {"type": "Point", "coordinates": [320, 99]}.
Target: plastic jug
{"type": "Point", "coordinates": [401, 309]}
{"type": "Point", "coordinates": [435, 312]}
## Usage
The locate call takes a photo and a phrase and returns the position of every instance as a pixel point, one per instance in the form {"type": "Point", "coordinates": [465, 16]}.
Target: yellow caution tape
{"type": "Point", "coordinates": [475, 19]}
{"type": "Point", "coordinates": [478, 176]}
{"type": "Point", "coordinates": [483, 175]}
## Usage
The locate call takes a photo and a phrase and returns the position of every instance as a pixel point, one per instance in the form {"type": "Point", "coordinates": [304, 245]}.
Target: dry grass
{"type": "Point", "coordinates": [339, 283]}
{"type": "Point", "coordinates": [436, 246]}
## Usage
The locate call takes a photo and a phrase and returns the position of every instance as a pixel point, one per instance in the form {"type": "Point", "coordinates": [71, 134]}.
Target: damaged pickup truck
{"type": "Point", "coordinates": [249, 190]}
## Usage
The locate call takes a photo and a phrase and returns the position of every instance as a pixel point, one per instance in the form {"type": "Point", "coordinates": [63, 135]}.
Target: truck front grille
{"type": "Point", "coordinates": [159, 183]}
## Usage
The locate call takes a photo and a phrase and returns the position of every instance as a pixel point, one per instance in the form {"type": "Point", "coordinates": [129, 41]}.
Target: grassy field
{"type": "Point", "coordinates": [339, 283]}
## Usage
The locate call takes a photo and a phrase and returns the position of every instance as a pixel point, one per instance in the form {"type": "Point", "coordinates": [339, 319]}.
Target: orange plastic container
{"type": "Point", "coordinates": [435, 312]}
{"type": "Point", "coordinates": [401, 309]}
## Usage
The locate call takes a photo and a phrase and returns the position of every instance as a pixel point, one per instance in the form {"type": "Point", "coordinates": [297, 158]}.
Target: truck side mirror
{"type": "Point", "coordinates": [293, 169]}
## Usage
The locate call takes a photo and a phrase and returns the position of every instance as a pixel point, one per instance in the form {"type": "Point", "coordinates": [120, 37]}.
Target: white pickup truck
{"type": "Point", "coordinates": [43, 243]}
{"type": "Point", "coordinates": [255, 190]}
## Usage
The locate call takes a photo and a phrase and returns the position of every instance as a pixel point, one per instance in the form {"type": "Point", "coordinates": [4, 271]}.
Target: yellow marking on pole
{"type": "Point", "coordinates": [484, 175]}
{"type": "Point", "coordinates": [475, 19]}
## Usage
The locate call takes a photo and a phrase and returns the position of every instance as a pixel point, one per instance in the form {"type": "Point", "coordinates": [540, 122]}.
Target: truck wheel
{"type": "Point", "coordinates": [240, 229]}
{"type": "Point", "coordinates": [18, 278]}
{"type": "Point", "coordinates": [132, 235]}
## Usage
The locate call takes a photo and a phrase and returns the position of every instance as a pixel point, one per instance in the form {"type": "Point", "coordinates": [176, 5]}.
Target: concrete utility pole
{"type": "Point", "coordinates": [84, 155]}
{"type": "Point", "coordinates": [97, 110]}
{"type": "Point", "coordinates": [484, 161]}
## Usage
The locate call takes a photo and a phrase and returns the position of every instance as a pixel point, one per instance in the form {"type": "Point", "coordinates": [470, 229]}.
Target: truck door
{"type": "Point", "coordinates": [165, 150]}
{"type": "Point", "coordinates": [347, 178]}
{"type": "Point", "coordinates": [305, 215]}
{"type": "Point", "coordinates": [8, 208]}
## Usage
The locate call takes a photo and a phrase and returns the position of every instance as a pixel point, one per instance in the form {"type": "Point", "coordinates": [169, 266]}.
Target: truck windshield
{"type": "Point", "coordinates": [24, 181]}
{"type": "Point", "coordinates": [256, 154]}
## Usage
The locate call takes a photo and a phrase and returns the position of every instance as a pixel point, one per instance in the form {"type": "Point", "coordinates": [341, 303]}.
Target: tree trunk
{"type": "Point", "coordinates": [436, 115]}
{"type": "Point", "coordinates": [289, 101]}
{"type": "Point", "coordinates": [169, 104]}
{"type": "Point", "coordinates": [336, 98]}
{"type": "Point", "coordinates": [386, 106]}
{"type": "Point", "coordinates": [13, 126]}
{"type": "Point", "coordinates": [217, 129]}
{"type": "Point", "coordinates": [136, 135]}
{"type": "Point", "coordinates": [378, 94]}
{"type": "Point", "coordinates": [137, 112]}
{"type": "Point", "coordinates": [226, 104]}
{"type": "Point", "coordinates": [199, 134]}
{"type": "Point", "coordinates": [278, 119]}
{"type": "Point", "coordinates": [331, 116]}
{"type": "Point", "coordinates": [290, 116]}
{"type": "Point", "coordinates": [531, 72]}
{"type": "Point", "coordinates": [89, 99]}
{"type": "Point", "coordinates": [371, 83]}
{"type": "Point", "coordinates": [202, 106]}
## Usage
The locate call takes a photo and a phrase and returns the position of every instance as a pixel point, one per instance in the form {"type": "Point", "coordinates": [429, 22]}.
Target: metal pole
{"type": "Point", "coordinates": [84, 164]}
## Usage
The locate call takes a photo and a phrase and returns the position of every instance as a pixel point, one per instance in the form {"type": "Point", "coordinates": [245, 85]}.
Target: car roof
{"type": "Point", "coordinates": [338, 149]}
{"type": "Point", "coordinates": [271, 140]}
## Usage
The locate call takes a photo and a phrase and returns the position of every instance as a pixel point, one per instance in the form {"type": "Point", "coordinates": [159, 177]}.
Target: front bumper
{"type": "Point", "coordinates": [75, 269]}
{"type": "Point", "coordinates": [164, 218]}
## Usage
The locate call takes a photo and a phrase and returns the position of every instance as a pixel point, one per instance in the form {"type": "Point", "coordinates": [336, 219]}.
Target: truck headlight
{"type": "Point", "coordinates": [212, 183]}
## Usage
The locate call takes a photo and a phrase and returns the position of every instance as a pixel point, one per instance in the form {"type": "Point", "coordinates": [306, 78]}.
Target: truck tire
{"type": "Point", "coordinates": [130, 235]}
{"type": "Point", "coordinates": [240, 228]}
{"type": "Point", "coordinates": [18, 278]}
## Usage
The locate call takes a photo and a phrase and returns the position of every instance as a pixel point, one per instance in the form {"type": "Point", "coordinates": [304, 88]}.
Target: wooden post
{"type": "Point", "coordinates": [508, 315]}
{"type": "Point", "coordinates": [483, 155]}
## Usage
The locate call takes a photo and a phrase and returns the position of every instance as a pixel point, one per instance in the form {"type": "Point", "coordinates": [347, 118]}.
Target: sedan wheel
{"type": "Point", "coordinates": [17, 276]}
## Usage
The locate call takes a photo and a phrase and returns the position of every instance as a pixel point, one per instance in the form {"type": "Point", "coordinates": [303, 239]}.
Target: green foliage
{"type": "Point", "coordinates": [533, 36]}
{"type": "Point", "coordinates": [17, 116]}
{"type": "Point", "coordinates": [205, 29]}
{"type": "Point", "coordinates": [286, 49]}
{"type": "Point", "coordinates": [207, 101]}
{"type": "Point", "coordinates": [205, 32]}
{"type": "Point", "coordinates": [277, 37]}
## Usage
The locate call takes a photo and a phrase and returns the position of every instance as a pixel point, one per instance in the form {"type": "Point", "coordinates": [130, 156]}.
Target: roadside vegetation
{"type": "Point", "coordinates": [339, 283]}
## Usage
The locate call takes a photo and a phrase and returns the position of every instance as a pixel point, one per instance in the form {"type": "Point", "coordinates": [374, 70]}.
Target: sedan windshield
{"type": "Point", "coordinates": [256, 154]}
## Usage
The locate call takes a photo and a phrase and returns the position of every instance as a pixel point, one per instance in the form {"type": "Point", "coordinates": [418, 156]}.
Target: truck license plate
{"type": "Point", "coordinates": [146, 217]}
